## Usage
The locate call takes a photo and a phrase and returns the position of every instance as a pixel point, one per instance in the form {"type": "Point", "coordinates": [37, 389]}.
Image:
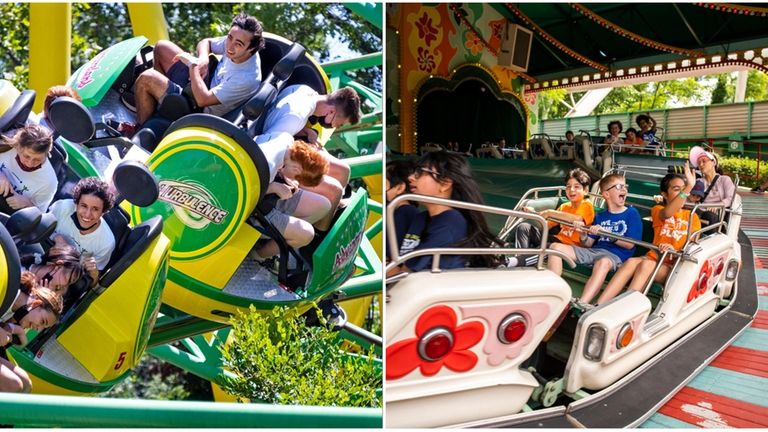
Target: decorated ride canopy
{"type": "Point", "coordinates": [94, 78]}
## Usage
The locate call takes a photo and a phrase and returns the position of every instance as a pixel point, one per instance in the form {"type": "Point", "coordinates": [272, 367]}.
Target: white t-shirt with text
{"type": "Point", "coordinates": [38, 185]}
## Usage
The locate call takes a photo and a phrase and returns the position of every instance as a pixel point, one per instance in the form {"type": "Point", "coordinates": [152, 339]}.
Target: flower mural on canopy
{"type": "Point", "coordinates": [474, 44]}
{"type": "Point", "coordinates": [403, 356]}
{"type": "Point", "coordinates": [426, 60]}
{"type": "Point", "coordinates": [497, 29]}
{"type": "Point", "coordinates": [426, 30]}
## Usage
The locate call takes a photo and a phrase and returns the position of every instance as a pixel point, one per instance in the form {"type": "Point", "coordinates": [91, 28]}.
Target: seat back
{"type": "Point", "coordinates": [58, 159]}
{"type": "Point", "coordinates": [117, 219]}
{"type": "Point", "coordinates": [133, 243]}
{"type": "Point", "coordinates": [174, 107]}
{"type": "Point", "coordinates": [10, 287]}
{"type": "Point", "coordinates": [16, 116]}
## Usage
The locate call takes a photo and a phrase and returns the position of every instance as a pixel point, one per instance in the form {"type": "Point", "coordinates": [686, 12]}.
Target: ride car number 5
{"type": "Point", "coordinates": [120, 360]}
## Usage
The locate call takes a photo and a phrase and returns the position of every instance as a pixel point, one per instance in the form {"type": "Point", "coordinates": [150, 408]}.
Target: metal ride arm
{"type": "Point", "coordinates": [436, 252]}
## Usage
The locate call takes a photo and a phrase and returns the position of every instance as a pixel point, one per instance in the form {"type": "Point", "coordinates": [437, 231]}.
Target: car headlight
{"type": "Point", "coordinates": [593, 348]}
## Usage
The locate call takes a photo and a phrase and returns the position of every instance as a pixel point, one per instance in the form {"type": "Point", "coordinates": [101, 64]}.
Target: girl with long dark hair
{"type": "Point", "coordinates": [445, 175]}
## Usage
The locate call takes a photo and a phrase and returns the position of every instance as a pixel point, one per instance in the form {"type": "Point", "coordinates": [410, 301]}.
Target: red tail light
{"type": "Point", "coordinates": [512, 328]}
{"type": "Point", "coordinates": [435, 343]}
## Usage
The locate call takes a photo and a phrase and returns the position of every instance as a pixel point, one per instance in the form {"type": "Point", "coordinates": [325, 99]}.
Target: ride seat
{"type": "Point", "coordinates": [58, 159]}
{"type": "Point", "coordinates": [13, 269]}
{"type": "Point", "coordinates": [117, 219]}
{"type": "Point", "coordinates": [254, 109]}
{"type": "Point", "coordinates": [220, 125]}
{"type": "Point", "coordinates": [16, 116]}
{"type": "Point", "coordinates": [136, 242]}
{"type": "Point", "coordinates": [133, 243]}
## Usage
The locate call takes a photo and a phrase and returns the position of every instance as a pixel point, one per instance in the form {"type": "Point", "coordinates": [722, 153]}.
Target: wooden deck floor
{"type": "Point", "coordinates": [732, 392]}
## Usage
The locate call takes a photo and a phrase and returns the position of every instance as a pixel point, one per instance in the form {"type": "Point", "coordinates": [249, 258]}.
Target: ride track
{"type": "Point", "coordinates": [201, 338]}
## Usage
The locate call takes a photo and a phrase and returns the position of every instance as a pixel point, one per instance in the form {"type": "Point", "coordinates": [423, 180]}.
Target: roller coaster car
{"type": "Point", "coordinates": [212, 178]}
{"type": "Point", "coordinates": [481, 338]}
{"type": "Point", "coordinates": [103, 331]}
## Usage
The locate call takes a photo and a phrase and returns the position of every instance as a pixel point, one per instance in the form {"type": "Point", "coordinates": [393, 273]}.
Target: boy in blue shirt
{"type": "Point", "coordinates": [603, 253]}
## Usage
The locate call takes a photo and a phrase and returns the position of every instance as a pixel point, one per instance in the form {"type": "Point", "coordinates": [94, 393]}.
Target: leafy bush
{"type": "Point", "coordinates": [746, 168]}
{"type": "Point", "coordinates": [277, 359]}
{"type": "Point", "coordinates": [151, 379]}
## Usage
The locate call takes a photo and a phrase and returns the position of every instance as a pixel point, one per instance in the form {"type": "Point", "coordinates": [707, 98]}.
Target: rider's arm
{"type": "Point", "coordinates": [561, 216]}
{"type": "Point", "coordinates": [675, 203]}
{"type": "Point", "coordinates": [203, 96]}
{"type": "Point", "coordinates": [204, 48]}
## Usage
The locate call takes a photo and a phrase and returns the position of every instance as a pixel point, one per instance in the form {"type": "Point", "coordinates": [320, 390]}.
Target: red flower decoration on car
{"type": "Point", "coordinates": [426, 60]}
{"type": "Point", "coordinates": [426, 31]}
{"type": "Point", "coordinates": [403, 356]}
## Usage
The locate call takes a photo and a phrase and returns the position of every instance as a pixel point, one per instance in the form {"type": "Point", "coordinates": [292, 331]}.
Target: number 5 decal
{"type": "Point", "coordinates": [120, 360]}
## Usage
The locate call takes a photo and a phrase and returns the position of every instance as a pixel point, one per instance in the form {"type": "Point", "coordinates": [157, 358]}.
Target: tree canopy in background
{"type": "Point", "coordinates": [96, 26]}
{"type": "Point", "coordinates": [703, 90]}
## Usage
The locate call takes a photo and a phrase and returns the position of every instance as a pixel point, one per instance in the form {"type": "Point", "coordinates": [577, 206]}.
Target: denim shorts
{"type": "Point", "coordinates": [178, 78]}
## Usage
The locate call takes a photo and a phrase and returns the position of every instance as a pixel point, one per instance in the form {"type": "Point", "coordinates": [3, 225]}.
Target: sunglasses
{"type": "Point", "coordinates": [619, 187]}
{"type": "Point", "coordinates": [421, 170]}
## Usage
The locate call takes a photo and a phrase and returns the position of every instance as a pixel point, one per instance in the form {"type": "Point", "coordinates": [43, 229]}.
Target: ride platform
{"type": "Point", "coordinates": [730, 392]}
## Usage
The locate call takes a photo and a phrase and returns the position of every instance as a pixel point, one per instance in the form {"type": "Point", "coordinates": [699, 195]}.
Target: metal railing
{"type": "Point", "coordinates": [397, 259]}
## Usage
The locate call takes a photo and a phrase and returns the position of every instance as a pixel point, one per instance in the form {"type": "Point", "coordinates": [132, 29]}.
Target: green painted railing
{"type": "Point", "coordinates": [65, 411]}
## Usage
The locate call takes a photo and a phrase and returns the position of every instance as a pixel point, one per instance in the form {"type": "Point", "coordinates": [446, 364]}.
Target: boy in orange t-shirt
{"type": "Point", "coordinates": [576, 209]}
{"type": "Point", "coordinates": [670, 233]}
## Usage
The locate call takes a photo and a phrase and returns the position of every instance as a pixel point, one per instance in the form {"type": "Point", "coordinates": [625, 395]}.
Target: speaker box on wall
{"type": "Point", "coordinates": [515, 47]}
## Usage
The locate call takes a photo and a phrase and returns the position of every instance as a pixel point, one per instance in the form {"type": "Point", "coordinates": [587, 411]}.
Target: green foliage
{"type": "Point", "coordinates": [746, 168]}
{"type": "Point", "coordinates": [151, 379]}
{"type": "Point", "coordinates": [551, 104]}
{"type": "Point", "coordinates": [757, 86]}
{"type": "Point", "coordinates": [723, 91]}
{"type": "Point", "coordinates": [14, 43]}
{"type": "Point", "coordinates": [277, 359]}
{"type": "Point", "coordinates": [654, 95]}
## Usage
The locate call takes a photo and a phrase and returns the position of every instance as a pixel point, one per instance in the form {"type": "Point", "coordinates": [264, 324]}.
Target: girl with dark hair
{"type": "Point", "coordinates": [398, 172]}
{"type": "Point", "coordinates": [670, 231]}
{"type": "Point", "coordinates": [34, 308]}
{"type": "Point", "coordinates": [62, 268]}
{"type": "Point", "coordinates": [444, 175]}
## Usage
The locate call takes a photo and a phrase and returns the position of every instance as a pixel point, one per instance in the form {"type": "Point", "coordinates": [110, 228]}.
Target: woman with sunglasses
{"type": "Point", "coordinates": [718, 187]}
{"type": "Point", "coordinates": [34, 308]}
{"type": "Point", "coordinates": [448, 176]}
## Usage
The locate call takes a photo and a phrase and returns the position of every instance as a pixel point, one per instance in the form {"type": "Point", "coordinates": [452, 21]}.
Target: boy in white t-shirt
{"type": "Point", "coordinates": [296, 109]}
{"type": "Point", "coordinates": [26, 176]}
{"type": "Point", "coordinates": [80, 220]}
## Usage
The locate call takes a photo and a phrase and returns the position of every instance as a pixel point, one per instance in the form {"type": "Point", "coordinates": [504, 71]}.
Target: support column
{"type": "Point", "coordinates": [148, 20]}
{"type": "Point", "coordinates": [741, 85]}
{"type": "Point", "coordinates": [50, 35]}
